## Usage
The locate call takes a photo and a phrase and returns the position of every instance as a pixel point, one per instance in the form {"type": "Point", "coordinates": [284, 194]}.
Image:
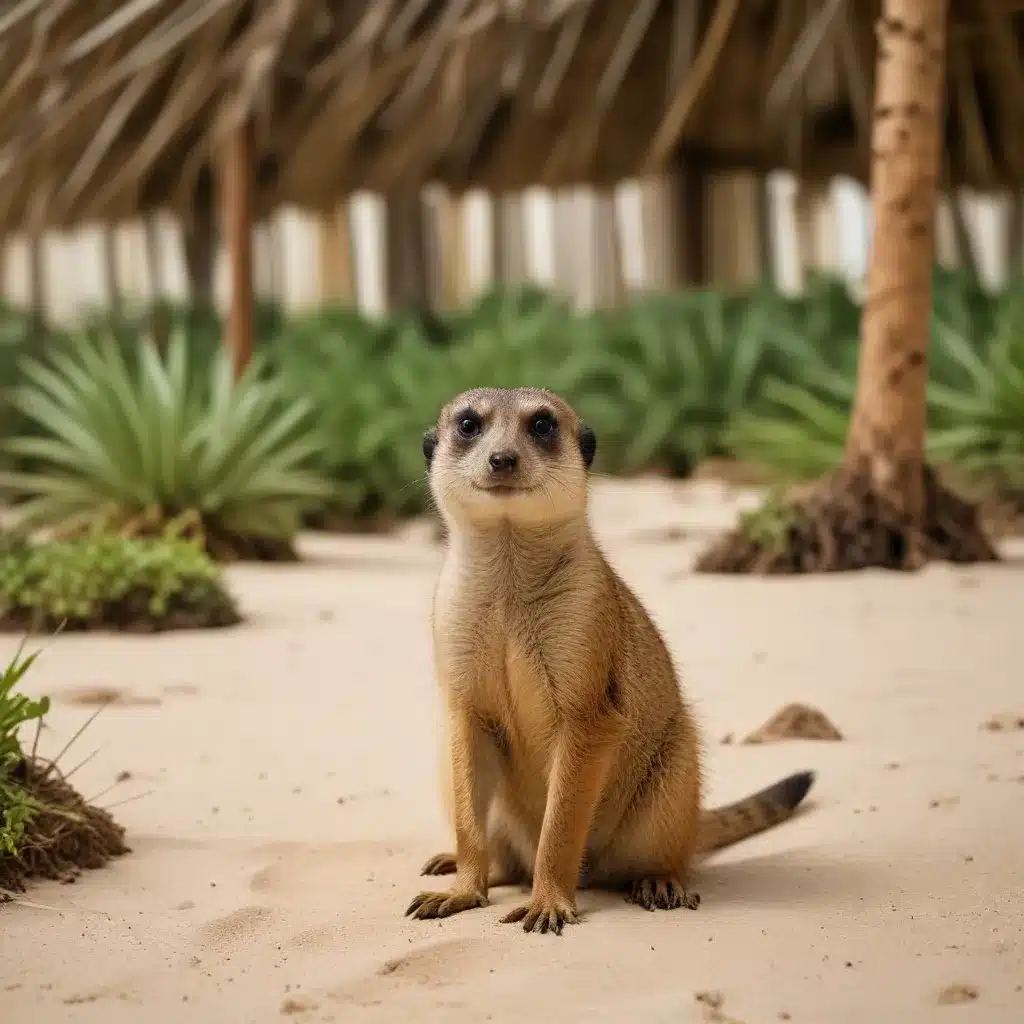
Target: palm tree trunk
{"type": "Point", "coordinates": [884, 507]}
{"type": "Point", "coordinates": [887, 431]}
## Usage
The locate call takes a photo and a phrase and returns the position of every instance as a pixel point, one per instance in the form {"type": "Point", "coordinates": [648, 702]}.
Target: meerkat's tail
{"type": "Point", "coordinates": [723, 826]}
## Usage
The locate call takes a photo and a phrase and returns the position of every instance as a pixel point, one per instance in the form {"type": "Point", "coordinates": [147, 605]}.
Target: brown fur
{"type": "Point", "coordinates": [573, 757]}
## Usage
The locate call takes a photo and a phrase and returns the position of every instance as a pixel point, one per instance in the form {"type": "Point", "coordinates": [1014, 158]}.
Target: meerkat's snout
{"type": "Point", "coordinates": [503, 462]}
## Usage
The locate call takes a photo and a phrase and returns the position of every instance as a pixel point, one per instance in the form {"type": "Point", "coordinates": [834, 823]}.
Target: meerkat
{"type": "Point", "coordinates": [574, 759]}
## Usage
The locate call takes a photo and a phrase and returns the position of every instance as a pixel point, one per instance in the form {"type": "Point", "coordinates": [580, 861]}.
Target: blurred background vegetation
{"type": "Point", "coordinates": [129, 420]}
{"type": "Point", "coordinates": [229, 321]}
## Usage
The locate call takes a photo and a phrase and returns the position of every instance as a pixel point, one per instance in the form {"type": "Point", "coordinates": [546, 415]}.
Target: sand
{"type": "Point", "coordinates": [279, 789]}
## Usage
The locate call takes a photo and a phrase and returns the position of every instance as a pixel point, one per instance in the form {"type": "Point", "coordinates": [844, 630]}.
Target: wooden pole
{"type": "Point", "coordinates": [335, 249]}
{"type": "Point", "coordinates": [151, 229]}
{"type": "Point", "coordinates": [452, 254]}
{"type": "Point", "coordinates": [236, 211]}
{"type": "Point", "coordinates": [405, 253]}
{"type": "Point", "coordinates": [1015, 237]}
{"type": "Point", "coordinates": [37, 277]}
{"type": "Point", "coordinates": [110, 266]}
{"type": "Point", "coordinates": [691, 199]}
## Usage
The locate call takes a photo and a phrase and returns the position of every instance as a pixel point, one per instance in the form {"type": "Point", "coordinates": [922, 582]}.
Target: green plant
{"type": "Point", "coordinates": [46, 829]}
{"type": "Point", "coordinates": [768, 525]}
{"type": "Point", "coordinates": [18, 335]}
{"type": "Point", "coordinates": [376, 392]}
{"type": "Point", "coordinates": [976, 401]}
{"type": "Point", "coordinates": [16, 805]}
{"type": "Point", "coordinates": [110, 581]}
{"type": "Point", "coordinates": [673, 371]}
{"type": "Point", "coordinates": [977, 423]}
{"type": "Point", "coordinates": [132, 443]}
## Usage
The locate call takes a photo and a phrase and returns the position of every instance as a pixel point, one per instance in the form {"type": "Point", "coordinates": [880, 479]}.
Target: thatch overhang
{"type": "Point", "coordinates": [112, 107]}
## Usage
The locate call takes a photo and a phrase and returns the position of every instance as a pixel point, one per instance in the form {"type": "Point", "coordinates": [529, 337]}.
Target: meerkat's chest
{"type": "Point", "coordinates": [499, 656]}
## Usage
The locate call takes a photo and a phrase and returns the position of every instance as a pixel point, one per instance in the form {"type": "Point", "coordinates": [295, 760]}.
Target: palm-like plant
{"type": "Point", "coordinates": [978, 425]}
{"type": "Point", "coordinates": [975, 394]}
{"type": "Point", "coordinates": [674, 371]}
{"type": "Point", "coordinates": [133, 444]}
{"type": "Point", "coordinates": [376, 391]}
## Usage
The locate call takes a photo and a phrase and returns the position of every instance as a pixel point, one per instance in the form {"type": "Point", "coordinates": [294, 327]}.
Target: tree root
{"type": "Point", "coordinates": [65, 836]}
{"type": "Point", "coordinates": [841, 523]}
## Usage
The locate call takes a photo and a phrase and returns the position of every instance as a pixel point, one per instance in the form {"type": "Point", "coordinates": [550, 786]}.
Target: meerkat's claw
{"type": "Point", "coordinates": [440, 864]}
{"type": "Point", "coordinates": [662, 894]}
{"type": "Point", "coordinates": [547, 915]}
{"type": "Point", "coordinates": [444, 904]}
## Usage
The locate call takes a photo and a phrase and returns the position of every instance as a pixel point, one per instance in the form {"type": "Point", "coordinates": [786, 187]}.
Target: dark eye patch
{"type": "Point", "coordinates": [468, 424]}
{"type": "Point", "coordinates": [543, 427]}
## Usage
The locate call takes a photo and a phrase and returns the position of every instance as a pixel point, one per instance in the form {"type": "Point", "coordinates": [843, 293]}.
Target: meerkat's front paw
{"type": "Point", "coordinates": [662, 894]}
{"type": "Point", "coordinates": [440, 864]}
{"type": "Point", "coordinates": [544, 914]}
{"type": "Point", "coordinates": [444, 904]}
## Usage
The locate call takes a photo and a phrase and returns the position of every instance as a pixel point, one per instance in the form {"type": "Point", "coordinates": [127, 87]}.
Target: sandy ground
{"type": "Point", "coordinates": [286, 798]}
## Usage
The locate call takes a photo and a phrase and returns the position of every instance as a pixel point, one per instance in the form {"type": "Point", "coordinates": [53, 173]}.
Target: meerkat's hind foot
{"type": "Point", "coordinates": [662, 894]}
{"type": "Point", "coordinates": [440, 864]}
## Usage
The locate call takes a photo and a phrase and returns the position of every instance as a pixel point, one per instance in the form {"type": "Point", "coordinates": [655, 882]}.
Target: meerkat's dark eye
{"type": "Point", "coordinates": [468, 425]}
{"type": "Point", "coordinates": [543, 426]}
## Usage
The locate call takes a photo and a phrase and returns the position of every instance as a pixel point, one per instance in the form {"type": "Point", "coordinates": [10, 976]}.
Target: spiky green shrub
{"type": "Point", "coordinates": [131, 442]}
{"type": "Point", "coordinates": [17, 806]}
{"type": "Point", "coordinates": [977, 424]}
{"type": "Point", "coordinates": [376, 391]}
{"type": "Point", "coordinates": [798, 427]}
{"type": "Point", "coordinates": [46, 829]}
{"type": "Point", "coordinates": [161, 319]}
{"type": "Point", "coordinates": [18, 336]}
{"type": "Point", "coordinates": [672, 371]}
{"type": "Point", "coordinates": [115, 582]}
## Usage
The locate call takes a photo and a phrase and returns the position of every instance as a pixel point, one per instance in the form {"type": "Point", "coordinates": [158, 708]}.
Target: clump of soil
{"type": "Point", "coordinates": [293, 1005]}
{"type": "Point", "coordinates": [231, 547]}
{"type": "Point", "coordinates": [65, 836]}
{"type": "Point", "coordinates": [712, 999]}
{"type": "Point", "coordinates": [953, 995]}
{"type": "Point", "coordinates": [795, 722]}
{"type": "Point", "coordinates": [841, 523]}
{"type": "Point", "coordinates": [1005, 722]}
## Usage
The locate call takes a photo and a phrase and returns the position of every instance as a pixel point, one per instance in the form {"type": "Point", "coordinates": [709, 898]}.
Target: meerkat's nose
{"type": "Point", "coordinates": [503, 462]}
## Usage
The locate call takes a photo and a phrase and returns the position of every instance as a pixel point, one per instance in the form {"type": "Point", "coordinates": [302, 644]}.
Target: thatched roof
{"type": "Point", "coordinates": [108, 107]}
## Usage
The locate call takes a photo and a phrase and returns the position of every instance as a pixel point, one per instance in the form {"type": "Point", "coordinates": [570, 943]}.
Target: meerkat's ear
{"type": "Point", "coordinates": [588, 444]}
{"type": "Point", "coordinates": [429, 444]}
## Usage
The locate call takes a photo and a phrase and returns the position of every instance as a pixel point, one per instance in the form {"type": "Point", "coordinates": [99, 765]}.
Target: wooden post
{"type": "Point", "coordinates": [199, 240]}
{"type": "Point", "coordinates": [508, 239]}
{"type": "Point", "coordinates": [765, 231]}
{"type": "Point", "coordinates": [1015, 237]}
{"type": "Point", "coordinates": [37, 277]}
{"type": "Point", "coordinates": [691, 225]}
{"type": "Point", "coordinates": [453, 256]}
{"type": "Point", "coordinates": [405, 253]}
{"type": "Point", "coordinates": [335, 249]}
{"type": "Point", "coordinates": [151, 230]}
{"type": "Point", "coordinates": [609, 277]}
{"type": "Point", "coordinates": [110, 266]}
{"type": "Point", "coordinates": [236, 211]}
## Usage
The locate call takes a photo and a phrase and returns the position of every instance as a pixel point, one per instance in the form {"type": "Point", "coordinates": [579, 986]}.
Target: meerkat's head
{"type": "Point", "coordinates": [520, 455]}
